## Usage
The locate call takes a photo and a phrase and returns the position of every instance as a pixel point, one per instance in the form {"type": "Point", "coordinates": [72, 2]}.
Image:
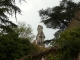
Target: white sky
{"type": "Point", "coordinates": [31, 16]}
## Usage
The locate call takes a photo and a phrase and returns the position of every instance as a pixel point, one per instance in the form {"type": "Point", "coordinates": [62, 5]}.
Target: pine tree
{"type": "Point", "coordinates": [7, 7]}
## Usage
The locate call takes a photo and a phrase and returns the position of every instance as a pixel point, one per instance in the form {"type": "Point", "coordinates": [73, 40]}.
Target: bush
{"type": "Point", "coordinates": [13, 48]}
{"type": "Point", "coordinates": [69, 43]}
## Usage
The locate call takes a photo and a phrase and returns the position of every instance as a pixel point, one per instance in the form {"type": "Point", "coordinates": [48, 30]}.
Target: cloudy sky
{"type": "Point", "coordinates": [31, 16]}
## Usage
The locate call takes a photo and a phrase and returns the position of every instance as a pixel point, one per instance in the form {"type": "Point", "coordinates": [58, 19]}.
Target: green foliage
{"type": "Point", "coordinates": [50, 57]}
{"type": "Point", "coordinates": [8, 7]}
{"type": "Point", "coordinates": [68, 46]}
{"type": "Point", "coordinates": [24, 31]}
{"type": "Point", "coordinates": [69, 43]}
{"type": "Point", "coordinates": [13, 48]}
{"type": "Point", "coordinates": [59, 16]}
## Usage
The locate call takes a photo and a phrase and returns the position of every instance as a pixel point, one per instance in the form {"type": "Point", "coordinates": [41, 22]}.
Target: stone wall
{"type": "Point", "coordinates": [75, 21]}
{"type": "Point", "coordinates": [74, 24]}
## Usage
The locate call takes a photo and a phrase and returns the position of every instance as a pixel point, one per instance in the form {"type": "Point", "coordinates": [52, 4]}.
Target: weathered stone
{"type": "Point", "coordinates": [40, 36]}
{"type": "Point", "coordinates": [75, 21]}
{"type": "Point", "coordinates": [73, 24]}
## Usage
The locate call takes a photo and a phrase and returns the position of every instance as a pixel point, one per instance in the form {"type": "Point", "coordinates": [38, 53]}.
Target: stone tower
{"type": "Point", "coordinates": [40, 36]}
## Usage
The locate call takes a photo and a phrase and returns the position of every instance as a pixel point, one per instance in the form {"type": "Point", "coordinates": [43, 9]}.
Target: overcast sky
{"type": "Point", "coordinates": [31, 16]}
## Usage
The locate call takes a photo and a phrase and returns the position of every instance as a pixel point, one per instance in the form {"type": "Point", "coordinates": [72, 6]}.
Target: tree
{"type": "Point", "coordinates": [67, 46]}
{"type": "Point", "coordinates": [24, 31]}
{"type": "Point", "coordinates": [7, 7]}
{"type": "Point", "coordinates": [63, 2]}
{"type": "Point", "coordinates": [69, 43]}
{"type": "Point", "coordinates": [36, 50]}
{"type": "Point", "coordinates": [59, 16]}
{"type": "Point", "coordinates": [13, 48]}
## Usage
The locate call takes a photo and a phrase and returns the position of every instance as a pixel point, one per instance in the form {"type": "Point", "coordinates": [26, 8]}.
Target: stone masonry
{"type": "Point", "coordinates": [40, 36]}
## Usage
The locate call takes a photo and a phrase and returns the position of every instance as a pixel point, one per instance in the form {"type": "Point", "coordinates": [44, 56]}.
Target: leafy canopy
{"type": "Point", "coordinates": [59, 16]}
{"type": "Point", "coordinates": [24, 31]}
{"type": "Point", "coordinates": [69, 43]}
{"type": "Point", "coordinates": [13, 48]}
{"type": "Point", "coordinates": [8, 7]}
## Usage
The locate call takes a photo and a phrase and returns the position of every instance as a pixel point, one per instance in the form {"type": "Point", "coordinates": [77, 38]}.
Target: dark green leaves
{"type": "Point", "coordinates": [59, 16]}
{"type": "Point", "coordinates": [69, 42]}
{"type": "Point", "coordinates": [8, 8]}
